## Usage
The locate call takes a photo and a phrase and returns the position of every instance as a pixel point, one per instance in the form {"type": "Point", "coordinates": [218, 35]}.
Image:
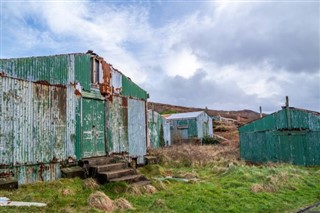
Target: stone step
{"type": "Point", "coordinates": [9, 183]}
{"type": "Point", "coordinates": [72, 172]}
{"type": "Point", "coordinates": [103, 160]}
{"type": "Point", "coordinates": [119, 173]}
{"type": "Point", "coordinates": [129, 178]}
{"type": "Point", "coordinates": [106, 168]}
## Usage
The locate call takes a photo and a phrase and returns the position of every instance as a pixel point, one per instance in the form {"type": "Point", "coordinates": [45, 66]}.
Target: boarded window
{"type": "Point", "coordinates": [95, 71]}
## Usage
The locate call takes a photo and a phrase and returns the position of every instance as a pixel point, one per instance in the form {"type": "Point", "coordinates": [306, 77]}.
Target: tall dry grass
{"type": "Point", "coordinates": [196, 155]}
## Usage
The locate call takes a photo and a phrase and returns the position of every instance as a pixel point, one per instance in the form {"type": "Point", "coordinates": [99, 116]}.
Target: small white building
{"type": "Point", "coordinates": [190, 125]}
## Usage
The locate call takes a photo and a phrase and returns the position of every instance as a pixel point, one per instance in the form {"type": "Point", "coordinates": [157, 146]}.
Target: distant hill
{"type": "Point", "coordinates": [245, 115]}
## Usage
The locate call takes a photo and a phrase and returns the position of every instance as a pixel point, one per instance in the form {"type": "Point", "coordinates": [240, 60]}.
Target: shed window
{"type": "Point", "coordinates": [183, 126]}
{"type": "Point", "coordinates": [95, 70]}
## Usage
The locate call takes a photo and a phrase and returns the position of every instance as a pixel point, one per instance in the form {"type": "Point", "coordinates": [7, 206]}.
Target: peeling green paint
{"type": "Point", "coordinates": [155, 123]}
{"type": "Point", "coordinates": [118, 125]}
{"type": "Point", "coordinates": [91, 128]}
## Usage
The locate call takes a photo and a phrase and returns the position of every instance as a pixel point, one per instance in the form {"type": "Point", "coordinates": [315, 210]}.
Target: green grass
{"type": "Point", "coordinates": [220, 188]}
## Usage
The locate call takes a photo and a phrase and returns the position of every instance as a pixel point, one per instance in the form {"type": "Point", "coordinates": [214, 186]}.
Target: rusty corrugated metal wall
{"type": "Point", "coordinates": [51, 111]}
{"type": "Point", "coordinates": [289, 135]}
{"type": "Point", "coordinates": [127, 127]}
{"type": "Point", "coordinates": [126, 117]}
{"type": "Point", "coordinates": [158, 130]}
{"type": "Point", "coordinates": [36, 130]}
{"type": "Point", "coordinates": [118, 125]}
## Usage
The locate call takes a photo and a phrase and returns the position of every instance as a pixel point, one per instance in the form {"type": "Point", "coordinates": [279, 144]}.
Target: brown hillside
{"type": "Point", "coordinates": [245, 115]}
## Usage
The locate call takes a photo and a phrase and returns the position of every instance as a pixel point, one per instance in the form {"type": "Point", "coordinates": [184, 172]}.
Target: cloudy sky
{"type": "Point", "coordinates": [221, 54]}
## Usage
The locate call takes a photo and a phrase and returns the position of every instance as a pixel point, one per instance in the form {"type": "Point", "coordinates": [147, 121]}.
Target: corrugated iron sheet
{"type": "Point", "coordinates": [130, 89]}
{"type": "Point", "coordinates": [50, 69]}
{"type": "Point", "coordinates": [155, 134]}
{"type": "Point", "coordinates": [82, 70]}
{"type": "Point", "coordinates": [117, 125]}
{"type": "Point", "coordinates": [289, 135]}
{"type": "Point", "coordinates": [204, 125]}
{"type": "Point", "coordinates": [35, 125]}
{"type": "Point", "coordinates": [127, 127]}
{"type": "Point", "coordinates": [166, 132]}
{"type": "Point", "coordinates": [137, 129]}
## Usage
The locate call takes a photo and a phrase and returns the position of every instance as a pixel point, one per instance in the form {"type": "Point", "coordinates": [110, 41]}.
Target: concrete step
{"type": "Point", "coordinates": [129, 179]}
{"type": "Point", "coordinates": [103, 160]}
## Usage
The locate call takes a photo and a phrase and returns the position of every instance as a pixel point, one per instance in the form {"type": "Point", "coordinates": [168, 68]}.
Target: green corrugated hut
{"type": "Point", "coordinates": [62, 108]}
{"type": "Point", "coordinates": [290, 135]}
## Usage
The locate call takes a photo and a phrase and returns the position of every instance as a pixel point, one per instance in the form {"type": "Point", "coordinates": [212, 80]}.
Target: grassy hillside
{"type": "Point", "coordinates": [219, 182]}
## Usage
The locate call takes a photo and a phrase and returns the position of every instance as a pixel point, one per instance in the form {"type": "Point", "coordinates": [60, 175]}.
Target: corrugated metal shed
{"type": "Point", "coordinates": [290, 135]}
{"type": "Point", "coordinates": [62, 107]}
{"type": "Point", "coordinates": [190, 125]}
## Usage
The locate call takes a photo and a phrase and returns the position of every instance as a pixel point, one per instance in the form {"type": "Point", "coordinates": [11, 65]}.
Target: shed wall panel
{"type": "Point", "coordinates": [155, 123]}
{"type": "Point", "coordinates": [82, 71]}
{"type": "Point", "coordinates": [52, 69]}
{"type": "Point", "coordinates": [35, 125]}
{"type": "Point", "coordinates": [166, 132]}
{"type": "Point", "coordinates": [130, 89]}
{"type": "Point", "coordinates": [117, 125]}
{"type": "Point", "coordinates": [137, 129]}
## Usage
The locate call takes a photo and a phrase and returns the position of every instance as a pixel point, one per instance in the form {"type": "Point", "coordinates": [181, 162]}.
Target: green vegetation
{"type": "Point", "coordinates": [162, 142]}
{"type": "Point", "coordinates": [168, 111]}
{"type": "Point", "coordinates": [219, 184]}
{"type": "Point", "coordinates": [209, 140]}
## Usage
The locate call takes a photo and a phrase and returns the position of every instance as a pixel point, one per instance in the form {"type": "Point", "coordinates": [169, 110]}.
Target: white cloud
{"type": "Point", "coordinates": [252, 53]}
{"type": "Point", "coordinates": [182, 63]}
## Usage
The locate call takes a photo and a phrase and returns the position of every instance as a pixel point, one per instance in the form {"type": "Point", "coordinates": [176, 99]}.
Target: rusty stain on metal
{"type": "Point", "coordinates": [105, 88]}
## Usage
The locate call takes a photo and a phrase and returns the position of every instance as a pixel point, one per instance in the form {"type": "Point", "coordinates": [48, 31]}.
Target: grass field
{"type": "Point", "coordinates": [220, 183]}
